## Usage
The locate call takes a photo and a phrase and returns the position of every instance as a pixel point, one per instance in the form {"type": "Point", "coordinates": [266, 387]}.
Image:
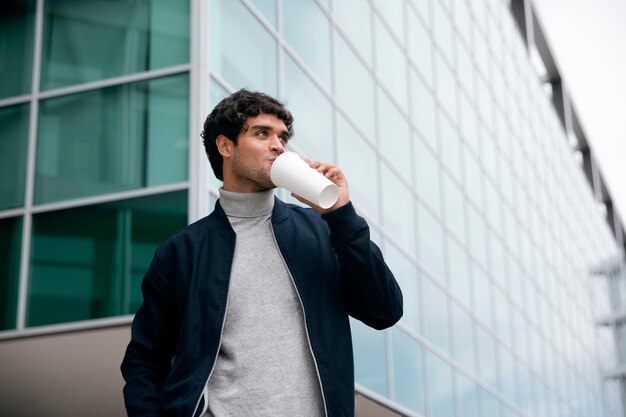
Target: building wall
{"type": "Point", "coordinates": [452, 149]}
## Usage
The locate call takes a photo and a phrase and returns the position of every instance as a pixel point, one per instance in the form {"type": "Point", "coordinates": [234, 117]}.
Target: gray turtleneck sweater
{"type": "Point", "coordinates": [265, 365]}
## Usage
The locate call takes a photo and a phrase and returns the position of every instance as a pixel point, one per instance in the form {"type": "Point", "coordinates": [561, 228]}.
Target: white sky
{"type": "Point", "coordinates": [588, 40]}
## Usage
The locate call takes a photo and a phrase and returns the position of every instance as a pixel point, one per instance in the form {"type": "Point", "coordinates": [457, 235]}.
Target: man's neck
{"type": "Point", "coordinates": [242, 204]}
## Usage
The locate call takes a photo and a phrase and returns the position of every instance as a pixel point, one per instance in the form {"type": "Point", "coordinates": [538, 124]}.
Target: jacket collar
{"type": "Point", "coordinates": [279, 213]}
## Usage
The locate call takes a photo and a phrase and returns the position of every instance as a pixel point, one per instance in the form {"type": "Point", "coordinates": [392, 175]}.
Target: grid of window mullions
{"type": "Point", "coordinates": [285, 48]}
{"type": "Point", "coordinates": [522, 185]}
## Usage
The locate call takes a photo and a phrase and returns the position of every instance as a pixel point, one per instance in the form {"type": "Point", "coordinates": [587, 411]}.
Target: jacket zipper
{"type": "Point", "coordinates": [218, 347]}
{"type": "Point", "coordinates": [306, 329]}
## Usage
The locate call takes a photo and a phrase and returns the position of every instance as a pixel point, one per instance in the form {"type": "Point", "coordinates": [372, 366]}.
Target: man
{"type": "Point", "coordinates": [245, 312]}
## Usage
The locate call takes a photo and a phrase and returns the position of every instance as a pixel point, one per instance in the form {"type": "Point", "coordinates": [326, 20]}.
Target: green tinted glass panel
{"type": "Point", "coordinates": [13, 148]}
{"type": "Point", "coordinates": [17, 22]}
{"type": "Point", "coordinates": [88, 262]}
{"type": "Point", "coordinates": [10, 243]}
{"type": "Point", "coordinates": [88, 41]}
{"type": "Point", "coordinates": [113, 139]}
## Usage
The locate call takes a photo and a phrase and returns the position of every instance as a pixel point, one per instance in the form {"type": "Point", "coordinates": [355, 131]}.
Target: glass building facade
{"type": "Point", "coordinates": [452, 148]}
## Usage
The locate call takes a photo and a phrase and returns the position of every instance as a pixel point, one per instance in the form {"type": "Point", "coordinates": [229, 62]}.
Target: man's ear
{"type": "Point", "coordinates": [224, 145]}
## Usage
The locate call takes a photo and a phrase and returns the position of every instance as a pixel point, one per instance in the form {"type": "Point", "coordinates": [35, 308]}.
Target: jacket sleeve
{"type": "Point", "coordinates": [372, 293]}
{"type": "Point", "coordinates": [148, 357]}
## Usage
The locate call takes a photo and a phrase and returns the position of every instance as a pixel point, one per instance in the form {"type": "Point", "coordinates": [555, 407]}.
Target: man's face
{"type": "Point", "coordinates": [247, 167]}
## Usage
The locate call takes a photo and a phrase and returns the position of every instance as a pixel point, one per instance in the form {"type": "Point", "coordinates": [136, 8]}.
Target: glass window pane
{"type": "Point", "coordinates": [489, 157]}
{"type": "Point", "coordinates": [443, 32]}
{"type": "Point", "coordinates": [423, 6]}
{"type": "Point", "coordinates": [408, 372]}
{"type": "Point", "coordinates": [468, 397]}
{"type": "Point", "coordinates": [501, 315]}
{"type": "Point", "coordinates": [463, 21]}
{"type": "Point", "coordinates": [407, 276]}
{"type": "Point", "coordinates": [354, 18]}
{"type": "Point", "coordinates": [391, 64]}
{"type": "Point", "coordinates": [398, 215]}
{"type": "Point", "coordinates": [424, 110]}
{"type": "Point", "coordinates": [370, 363]}
{"type": "Point", "coordinates": [395, 138]}
{"type": "Point", "coordinates": [450, 147]}
{"type": "Point", "coordinates": [491, 406]}
{"type": "Point", "coordinates": [486, 355]}
{"type": "Point", "coordinates": [393, 13]}
{"type": "Point", "coordinates": [89, 41]}
{"type": "Point", "coordinates": [494, 206]}
{"type": "Point", "coordinates": [496, 256]}
{"type": "Point", "coordinates": [355, 88]}
{"type": "Point", "coordinates": [440, 387]}
{"type": "Point", "coordinates": [446, 87]}
{"type": "Point", "coordinates": [113, 139]}
{"type": "Point", "coordinates": [468, 123]}
{"type": "Point", "coordinates": [314, 50]}
{"type": "Point", "coordinates": [508, 375]}
{"type": "Point", "coordinates": [267, 8]}
{"type": "Point", "coordinates": [427, 176]}
{"type": "Point", "coordinates": [482, 295]}
{"type": "Point", "coordinates": [13, 151]}
{"type": "Point", "coordinates": [463, 338]}
{"type": "Point", "coordinates": [242, 51]}
{"type": "Point", "coordinates": [436, 326]}
{"type": "Point", "coordinates": [473, 178]}
{"type": "Point", "coordinates": [312, 113]}
{"type": "Point", "coordinates": [17, 30]}
{"type": "Point", "coordinates": [431, 243]}
{"type": "Point", "coordinates": [420, 45]}
{"type": "Point", "coordinates": [359, 163]}
{"type": "Point", "coordinates": [454, 205]}
{"type": "Point", "coordinates": [458, 272]}
{"type": "Point", "coordinates": [10, 248]}
{"type": "Point", "coordinates": [477, 238]}
{"type": "Point", "coordinates": [84, 269]}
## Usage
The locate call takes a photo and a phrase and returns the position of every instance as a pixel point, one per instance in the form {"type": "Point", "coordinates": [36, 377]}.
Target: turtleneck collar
{"type": "Point", "coordinates": [246, 204]}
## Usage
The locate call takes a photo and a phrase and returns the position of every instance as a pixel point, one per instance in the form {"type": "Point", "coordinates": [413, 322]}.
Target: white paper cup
{"type": "Point", "coordinates": [290, 172]}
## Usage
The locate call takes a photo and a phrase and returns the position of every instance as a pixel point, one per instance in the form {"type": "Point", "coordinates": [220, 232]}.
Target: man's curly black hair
{"type": "Point", "coordinates": [229, 118]}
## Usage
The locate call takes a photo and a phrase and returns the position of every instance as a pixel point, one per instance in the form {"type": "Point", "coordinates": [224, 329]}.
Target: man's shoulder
{"type": "Point", "coordinates": [194, 232]}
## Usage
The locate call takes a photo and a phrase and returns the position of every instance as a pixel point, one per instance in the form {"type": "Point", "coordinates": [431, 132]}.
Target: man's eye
{"type": "Point", "coordinates": [261, 133]}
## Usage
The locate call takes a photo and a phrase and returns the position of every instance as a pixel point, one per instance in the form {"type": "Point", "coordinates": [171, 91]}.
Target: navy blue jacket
{"type": "Point", "coordinates": [176, 332]}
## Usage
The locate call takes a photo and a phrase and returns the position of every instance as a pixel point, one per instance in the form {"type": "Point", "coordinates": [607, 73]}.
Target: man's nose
{"type": "Point", "coordinates": [277, 145]}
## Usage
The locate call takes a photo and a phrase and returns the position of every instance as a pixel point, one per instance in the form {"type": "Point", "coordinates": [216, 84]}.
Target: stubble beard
{"type": "Point", "coordinates": [256, 176]}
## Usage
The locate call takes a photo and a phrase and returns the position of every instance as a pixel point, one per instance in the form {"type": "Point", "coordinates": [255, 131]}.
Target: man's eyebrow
{"type": "Point", "coordinates": [268, 127]}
